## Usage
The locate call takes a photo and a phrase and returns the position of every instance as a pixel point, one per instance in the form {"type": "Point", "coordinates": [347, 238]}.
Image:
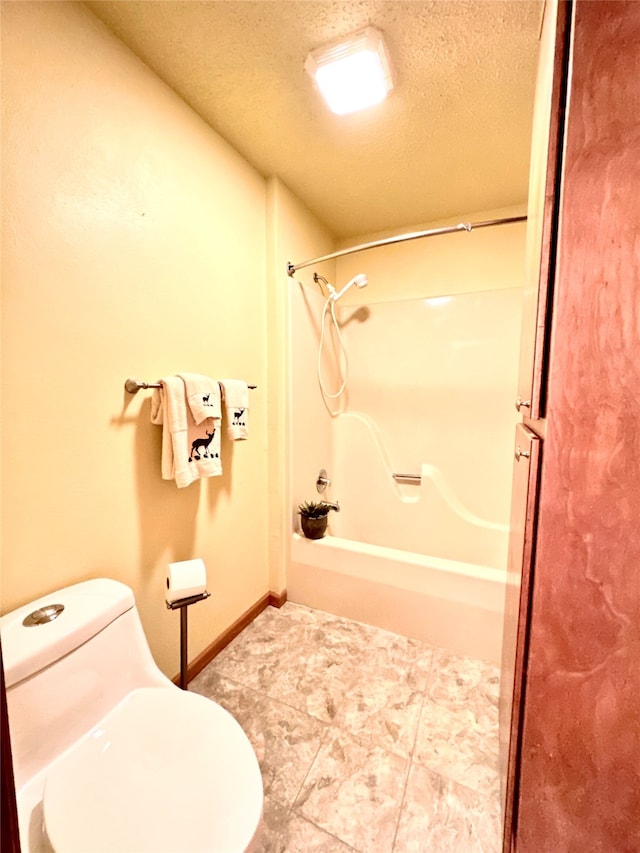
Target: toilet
{"type": "Point", "coordinates": [108, 755]}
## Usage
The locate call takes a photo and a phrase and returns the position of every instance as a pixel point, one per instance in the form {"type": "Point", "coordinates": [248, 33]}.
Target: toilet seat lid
{"type": "Point", "coordinates": [164, 771]}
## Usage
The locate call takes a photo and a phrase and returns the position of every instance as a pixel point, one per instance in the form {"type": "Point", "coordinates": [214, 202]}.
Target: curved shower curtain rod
{"type": "Point", "coordinates": [415, 235]}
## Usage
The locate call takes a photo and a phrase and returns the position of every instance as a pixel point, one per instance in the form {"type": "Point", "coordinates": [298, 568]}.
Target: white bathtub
{"type": "Point", "coordinates": [454, 605]}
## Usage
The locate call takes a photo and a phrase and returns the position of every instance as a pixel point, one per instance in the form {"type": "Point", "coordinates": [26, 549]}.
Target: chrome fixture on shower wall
{"type": "Point", "coordinates": [323, 480]}
{"type": "Point", "coordinates": [359, 280]}
{"type": "Point", "coordinates": [321, 280]}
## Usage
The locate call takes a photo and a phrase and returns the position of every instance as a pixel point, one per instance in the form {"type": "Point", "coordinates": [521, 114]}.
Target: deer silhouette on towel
{"type": "Point", "coordinates": [238, 413]}
{"type": "Point", "coordinates": [202, 444]}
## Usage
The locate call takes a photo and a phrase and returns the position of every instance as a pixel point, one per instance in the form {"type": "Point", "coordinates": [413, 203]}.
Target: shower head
{"type": "Point", "coordinates": [359, 280]}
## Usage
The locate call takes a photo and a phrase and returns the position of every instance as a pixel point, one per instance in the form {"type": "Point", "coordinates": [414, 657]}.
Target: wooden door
{"type": "Point", "coordinates": [579, 767]}
{"type": "Point", "coordinates": [521, 537]}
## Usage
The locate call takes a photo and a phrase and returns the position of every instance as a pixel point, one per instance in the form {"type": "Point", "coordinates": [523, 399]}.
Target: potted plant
{"type": "Point", "coordinates": [313, 517]}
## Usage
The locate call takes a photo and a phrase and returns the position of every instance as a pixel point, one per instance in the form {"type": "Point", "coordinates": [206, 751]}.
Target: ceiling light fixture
{"type": "Point", "coordinates": [352, 73]}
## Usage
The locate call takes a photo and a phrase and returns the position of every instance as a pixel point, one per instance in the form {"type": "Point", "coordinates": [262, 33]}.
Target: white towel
{"type": "Point", "coordinates": [186, 446]}
{"type": "Point", "coordinates": [203, 404]}
{"type": "Point", "coordinates": [203, 396]}
{"type": "Point", "coordinates": [235, 393]}
{"type": "Point", "coordinates": [165, 411]}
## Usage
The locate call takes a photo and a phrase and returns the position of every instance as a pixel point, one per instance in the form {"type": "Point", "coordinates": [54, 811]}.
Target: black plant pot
{"type": "Point", "coordinates": [314, 528]}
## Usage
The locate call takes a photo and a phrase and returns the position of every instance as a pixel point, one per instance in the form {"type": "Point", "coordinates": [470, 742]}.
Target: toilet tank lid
{"type": "Point", "coordinates": [88, 608]}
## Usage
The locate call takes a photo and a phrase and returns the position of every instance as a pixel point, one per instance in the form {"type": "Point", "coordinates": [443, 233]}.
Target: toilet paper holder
{"type": "Point", "coordinates": [181, 604]}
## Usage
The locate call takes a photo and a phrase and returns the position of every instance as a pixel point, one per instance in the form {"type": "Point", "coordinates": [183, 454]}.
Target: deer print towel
{"type": "Point", "coordinates": [236, 402]}
{"type": "Point", "coordinates": [188, 449]}
{"type": "Point", "coordinates": [203, 397]}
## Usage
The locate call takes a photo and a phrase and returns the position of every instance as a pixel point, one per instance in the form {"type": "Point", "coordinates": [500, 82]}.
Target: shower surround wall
{"type": "Point", "coordinates": [418, 368]}
{"type": "Point", "coordinates": [430, 393]}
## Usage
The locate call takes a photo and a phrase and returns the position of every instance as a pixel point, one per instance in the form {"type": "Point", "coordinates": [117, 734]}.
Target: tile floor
{"type": "Point", "coordinates": [367, 741]}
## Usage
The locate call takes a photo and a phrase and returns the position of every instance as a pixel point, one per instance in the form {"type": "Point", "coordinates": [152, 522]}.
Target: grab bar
{"type": "Point", "coordinates": [409, 478]}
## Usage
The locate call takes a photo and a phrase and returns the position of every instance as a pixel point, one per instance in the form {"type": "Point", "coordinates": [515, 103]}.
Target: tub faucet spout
{"type": "Point", "coordinates": [335, 506]}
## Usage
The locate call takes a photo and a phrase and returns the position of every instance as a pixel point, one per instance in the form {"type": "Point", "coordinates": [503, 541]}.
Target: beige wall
{"type": "Point", "coordinates": [134, 244]}
{"type": "Point", "coordinates": [302, 422]}
{"type": "Point", "coordinates": [486, 259]}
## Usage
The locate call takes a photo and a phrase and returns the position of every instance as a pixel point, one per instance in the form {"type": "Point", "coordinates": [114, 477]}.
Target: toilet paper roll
{"type": "Point", "coordinates": [184, 579]}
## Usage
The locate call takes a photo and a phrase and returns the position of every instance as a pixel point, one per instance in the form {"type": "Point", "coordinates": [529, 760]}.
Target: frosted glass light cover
{"type": "Point", "coordinates": [354, 73]}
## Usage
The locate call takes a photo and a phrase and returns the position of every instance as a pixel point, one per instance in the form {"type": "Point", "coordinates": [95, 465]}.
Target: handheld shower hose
{"type": "Point", "coordinates": [360, 281]}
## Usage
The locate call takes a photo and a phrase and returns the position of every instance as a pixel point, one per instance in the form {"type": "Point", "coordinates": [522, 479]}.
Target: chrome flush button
{"type": "Point", "coordinates": [43, 615]}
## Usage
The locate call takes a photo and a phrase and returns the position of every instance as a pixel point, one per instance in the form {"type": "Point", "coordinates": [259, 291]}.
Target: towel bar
{"type": "Point", "coordinates": [132, 386]}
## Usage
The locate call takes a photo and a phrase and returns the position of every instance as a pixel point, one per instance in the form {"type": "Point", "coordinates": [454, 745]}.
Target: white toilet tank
{"type": "Point", "coordinates": [64, 675]}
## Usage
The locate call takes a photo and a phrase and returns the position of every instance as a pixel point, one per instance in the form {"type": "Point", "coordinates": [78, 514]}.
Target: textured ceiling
{"type": "Point", "coordinates": [451, 139]}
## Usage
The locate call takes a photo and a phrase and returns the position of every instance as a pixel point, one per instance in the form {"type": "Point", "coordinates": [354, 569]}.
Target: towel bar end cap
{"type": "Point", "coordinates": [132, 386]}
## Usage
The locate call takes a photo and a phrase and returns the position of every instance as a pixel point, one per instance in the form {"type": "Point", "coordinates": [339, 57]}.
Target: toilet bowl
{"type": "Point", "coordinates": [163, 771]}
{"type": "Point", "coordinates": [108, 754]}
